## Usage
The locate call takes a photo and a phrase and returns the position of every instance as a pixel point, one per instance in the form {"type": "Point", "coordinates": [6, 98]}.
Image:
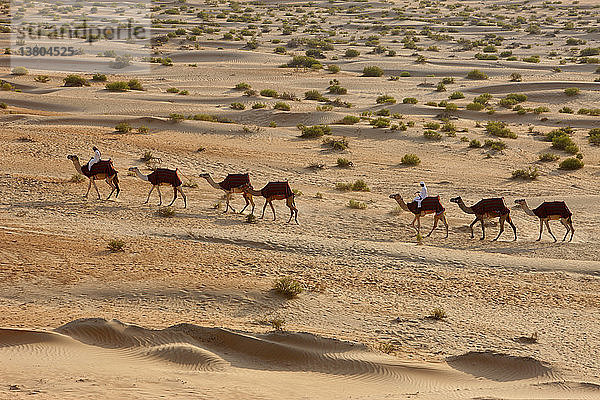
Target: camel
{"type": "Point", "coordinates": [487, 209]}
{"type": "Point", "coordinates": [429, 205]}
{"type": "Point", "coordinates": [165, 177]}
{"type": "Point", "coordinates": [232, 184]}
{"type": "Point", "coordinates": [548, 211]}
{"type": "Point", "coordinates": [275, 191]}
{"type": "Point", "coordinates": [103, 169]}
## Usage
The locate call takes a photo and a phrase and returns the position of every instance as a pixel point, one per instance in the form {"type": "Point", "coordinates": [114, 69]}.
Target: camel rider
{"type": "Point", "coordinates": [94, 159]}
{"type": "Point", "coordinates": [421, 195]}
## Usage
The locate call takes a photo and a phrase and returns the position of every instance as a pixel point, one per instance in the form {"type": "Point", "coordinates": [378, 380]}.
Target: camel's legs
{"type": "Point", "coordinates": [413, 223]}
{"type": "Point", "coordinates": [247, 202]}
{"type": "Point", "coordinates": [418, 218]}
{"type": "Point", "coordinates": [111, 184]}
{"type": "Point", "coordinates": [471, 226]}
{"type": "Point", "coordinates": [264, 207]}
{"type": "Point", "coordinates": [445, 221]}
{"type": "Point", "coordinates": [273, 209]}
{"type": "Point", "coordinates": [502, 220]}
{"type": "Point", "coordinates": [541, 230]}
{"type": "Point", "coordinates": [174, 197]}
{"type": "Point", "coordinates": [569, 225]}
{"type": "Point", "coordinates": [182, 195]}
{"type": "Point", "coordinates": [89, 187]}
{"type": "Point", "coordinates": [228, 206]}
{"type": "Point", "coordinates": [293, 209]}
{"type": "Point", "coordinates": [149, 193]}
{"type": "Point", "coordinates": [549, 231]}
{"type": "Point", "coordinates": [159, 195]}
{"type": "Point", "coordinates": [96, 187]}
{"type": "Point", "coordinates": [435, 224]}
{"type": "Point", "coordinates": [509, 219]}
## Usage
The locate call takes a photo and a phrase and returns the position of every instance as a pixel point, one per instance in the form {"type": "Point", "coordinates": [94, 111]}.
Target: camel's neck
{"type": "Point", "coordinates": [253, 192]}
{"type": "Point", "coordinates": [463, 207]}
{"type": "Point", "coordinates": [527, 210]}
{"type": "Point", "coordinates": [211, 182]}
{"type": "Point", "coordinates": [140, 175]}
{"type": "Point", "coordinates": [77, 166]}
{"type": "Point", "coordinates": [402, 204]}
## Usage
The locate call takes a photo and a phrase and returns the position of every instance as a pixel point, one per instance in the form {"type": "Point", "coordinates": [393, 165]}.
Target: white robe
{"type": "Point", "coordinates": [421, 195]}
{"type": "Point", "coordinates": [94, 159]}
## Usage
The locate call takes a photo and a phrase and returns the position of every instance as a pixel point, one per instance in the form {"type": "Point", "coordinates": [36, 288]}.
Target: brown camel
{"type": "Point", "coordinates": [233, 183]}
{"type": "Point", "coordinates": [275, 191]}
{"type": "Point", "coordinates": [429, 205]}
{"type": "Point", "coordinates": [103, 169]}
{"type": "Point", "coordinates": [487, 209]}
{"type": "Point", "coordinates": [549, 211]}
{"type": "Point", "coordinates": [164, 177]}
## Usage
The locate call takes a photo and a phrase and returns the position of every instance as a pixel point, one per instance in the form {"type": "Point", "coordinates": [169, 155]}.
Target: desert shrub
{"type": "Point", "coordinates": [3, 105]}
{"type": "Point", "coordinates": [499, 129]}
{"type": "Point", "coordinates": [175, 117]}
{"type": "Point", "coordinates": [268, 93]}
{"type": "Point", "coordinates": [135, 84]}
{"type": "Point", "coordinates": [357, 205]}
{"type": "Point", "coordinates": [456, 96]}
{"type": "Point", "coordinates": [438, 313]}
{"type": "Point", "coordinates": [334, 69]}
{"type": "Point", "coordinates": [529, 174]}
{"type": "Point", "coordinates": [147, 156]}
{"type": "Point", "coordinates": [338, 144]}
{"type": "Point", "coordinates": [385, 99]}
{"type": "Point", "coordinates": [405, 74]}
{"type": "Point", "coordinates": [166, 212]}
{"type": "Point", "coordinates": [42, 78]}
{"type": "Point", "coordinates": [183, 92]}
{"type": "Point", "coordinates": [314, 95]}
{"type": "Point", "coordinates": [532, 59]}
{"type": "Point", "coordinates": [451, 107]}
{"type": "Point", "coordinates": [474, 144]}
{"type": "Point", "coordinates": [303, 62]}
{"type": "Point", "coordinates": [251, 219]}
{"type": "Point", "coordinates": [440, 87]}
{"type": "Point", "coordinates": [475, 106]}
{"type": "Point", "coordinates": [350, 120]}
{"type": "Point", "coordinates": [173, 90]}
{"type": "Point", "coordinates": [477, 75]}
{"type": "Point", "coordinates": [6, 86]}
{"type": "Point", "coordinates": [380, 122]}
{"type": "Point", "coordinates": [280, 50]}
{"type": "Point", "coordinates": [497, 145]}
{"type": "Point", "coordinates": [335, 88]}
{"type": "Point", "coordinates": [358, 186]}
{"type": "Point", "coordinates": [288, 287]}
{"type": "Point", "coordinates": [280, 105]}
{"type": "Point", "coordinates": [564, 142]}
{"type": "Point", "coordinates": [432, 135]}
{"type": "Point", "coordinates": [116, 245]}
{"type": "Point", "coordinates": [242, 86]}
{"type": "Point", "coordinates": [372, 70]}
{"type": "Point", "coordinates": [77, 178]}
{"type": "Point", "coordinates": [344, 163]}
{"type": "Point", "coordinates": [490, 57]}
{"type": "Point", "coordinates": [20, 71]}
{"type": "Point", "coordinates": [432, 125]}
{"type": "Point", "coordinates": [410, 159]}
{"type": "Point", "coordinates": [314, 131]}
{"type": "Point", "coordinates": [594, 136]}
{"type": "Point", "coordinates": [143, 129]}
{"type": "Point", "coordinates": [571, 163]}
{"type": "Point", "coordinates": [118, 86]}
{"type": "Point", "coordinates": [410, 100]}
{"type": "Point", "coordinates": [75, 81]}
{"type": "Point", "coordinates": [566, 110]}
{"type": "Point", "coordinates": [516, 77]}
{"type": "Point", "coordinates": [123, 127]}
{"type": "Point", "coordinates": [572, 91]}
{"type": "Point", "coordinates": [541, 109]}
{"type": "Point", "coordinates": [351, 53]}
{"type": "Point", "coordinates": [237, 106]}
{"type": "Point", "coordinates": [384, 112]}
{"type": "Point", "coordinates": [548, 157]}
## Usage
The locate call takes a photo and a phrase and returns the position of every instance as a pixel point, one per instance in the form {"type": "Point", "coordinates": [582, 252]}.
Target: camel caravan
{"type": "Point", "coordinates": [421, 206]}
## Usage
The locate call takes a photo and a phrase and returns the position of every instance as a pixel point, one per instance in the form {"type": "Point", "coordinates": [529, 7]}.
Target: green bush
{"type": "Point", "coordinates": [372, 70]}
{"type": "Point", "coordinates": [564, 142]}
{"type": "Point", "coordinates": [431, 125]}
{"type": "Point", "coordinates": [410, 159]}
{"type": "Point", "coordinates": [572, 91]}
{"type": "Point", "coordinates": [123, 127]}
{"type": "Point", "coordinates": [566, 110]}
{"type": "Point", "coordinates": [594, 136]}
{"type": "Point", "coordinates": [380, 122]}
{"type": "Point", "coordinates": [497, 145]}
{"type": "Point", "coordinates": [477, 75]}
{"type": "Point", "coordinates": [116, 245]}
{"type": "Point", "coordinates": [358, 186]}
{"type": "Point", "coordinates": [42, 78]}
{"type": "Point", "coordinates": [432, 135]}
{"type": "Point", "coordinates": [269, 93]}
{"type": "Point", "coordinates": [282, 106]}
{"type": "Point", "coordinates": [571, 163]}
{"type": "Point", "coordinates": [499, 129]}
{"type": "Point", "coordinates": [334, 69]}
{"type": "Point", "coordinates": [410, 100]}
{"type": "Point", "coordinates": [75, 81]}
{"type": "Point", "coordinates": [357, 205]}
{"type": "Point", "coordinates": [314, 131]}
{"type": "Point", "coordinates": [314, 95]}
{"type": "Point", "coordinates": [344, 163]}
{"type": "Point", "coordinates": [548, 157]}
{"type": "Point", "coordinates": [456, 96]}
{"type": "Point", "coordinates": [474, 144]}
{"type": "Point", "coordinates": [350, 120]}
{"type": "Point", "coordinates": [288, 287]}
{"type": "Point", "coordinates": [242, 86]}
{"type": "Point", "coordinates": [118, 86]}
{"type": "Point", "coordinates": [336, 144]}
{"type": "Point", "coordinates": [475, 106]}
{"type": "Point", "coordinates": [256, 106]}
{"type": "Point", "coordinates": [175, 117]}
{"type": "Point", "coordinates": [237, 106]}
{"type": "Point", "coordinates": [351, 53]}
{"type": "Point", "coordinates": [135, 84]}
{"type": "Point", "coordinates": [385, 99]}
{"type": "Point", "coordinates": [530, 174]}
{"type": "Point", "coordinates": [20, 71]}
{"type": "Point", "coordinates": [303, 62]}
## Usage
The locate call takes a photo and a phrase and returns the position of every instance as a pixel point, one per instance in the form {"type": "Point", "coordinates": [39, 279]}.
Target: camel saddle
{"type": "Point", "coordinates": [277, 189]}
{"type": "Point", "coordinates": [429, 204]}
{"type": "Point", "coordinates": [164, 175]}
{"type": "Point", "coordinates": [101, 167]}
{"type": "Point", "coordinates": [549, 208]}
{"type": "Point", "coordinates": [233, 181]}
{"type": "Point", "coordinates": [494, 206]}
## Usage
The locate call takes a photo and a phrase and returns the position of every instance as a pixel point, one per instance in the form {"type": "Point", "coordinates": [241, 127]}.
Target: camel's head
{"type": "Point", "coordinates": [520, 202]}
{"type": "Point", "coordinates": [204, 175]}
{"type": "Point", "coordinates": [456, 199]}
{"type": "Point", "coordinates": [133, 169]}
{"type": "Point", "coordinates": [395, 196]}
{"type": "Point", "coordinates": [72, 157]}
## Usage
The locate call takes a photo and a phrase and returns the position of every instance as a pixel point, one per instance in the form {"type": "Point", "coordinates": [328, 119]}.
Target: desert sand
{"type": "Point", "coordinates": [185, 307]}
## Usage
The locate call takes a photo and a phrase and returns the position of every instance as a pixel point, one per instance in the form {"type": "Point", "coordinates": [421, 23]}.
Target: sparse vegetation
{"type": "Point", "coordinates": [123, 127]}
{"type": "Point", "coordinates": [288, 287]}
{"type": "Point", "coordinates": [529, 174]}
{"type": "Point", "coordinates": [477, 75]}
{"type": "Point", "coordinates": [314, 131]}
{"type": "Point", "coordinates": [166, 212]}
{"type": "Point", "coordinates": [357, 205]}
{"type": "Point", "coordinates": [571, 163]}
{"type": "Point", "coordinates": [116, 245]}
{"type": "Point", "coordinates": [438, 314]}
{"type": "Point", "coordinates": [372, 71]}
{"type": "Point", "coordinates": [410, 159]}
